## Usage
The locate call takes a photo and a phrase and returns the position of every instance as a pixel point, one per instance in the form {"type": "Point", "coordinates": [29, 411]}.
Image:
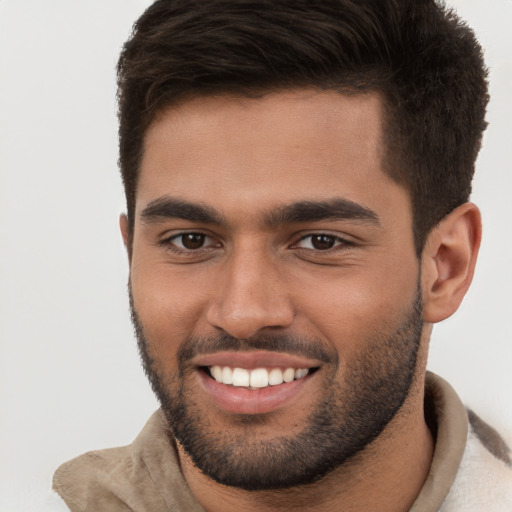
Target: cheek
{"type": "Point", "coordinates": [352, 310]}
{"type": "Point", "coordinates": [169, 308]}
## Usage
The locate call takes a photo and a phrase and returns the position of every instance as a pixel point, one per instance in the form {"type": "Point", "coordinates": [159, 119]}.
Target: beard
{"type": "Point", "coordinates": [352, 412]}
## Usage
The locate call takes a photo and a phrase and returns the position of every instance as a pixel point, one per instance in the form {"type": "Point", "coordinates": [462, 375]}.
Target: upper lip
{"type": "Point", "coordinates": [255, 359]}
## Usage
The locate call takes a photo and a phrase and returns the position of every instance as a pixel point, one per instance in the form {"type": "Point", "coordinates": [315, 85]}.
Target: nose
{"type": "Point", "coordinates": [251, 296]}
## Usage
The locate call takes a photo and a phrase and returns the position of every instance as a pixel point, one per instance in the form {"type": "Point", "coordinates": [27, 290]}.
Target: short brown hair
{"type": "Point", "coordinates": [422, 59]}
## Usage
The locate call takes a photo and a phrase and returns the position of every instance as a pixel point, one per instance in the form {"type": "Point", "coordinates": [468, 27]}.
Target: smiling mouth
{"type": "Point", "coordinates": [257, 378]}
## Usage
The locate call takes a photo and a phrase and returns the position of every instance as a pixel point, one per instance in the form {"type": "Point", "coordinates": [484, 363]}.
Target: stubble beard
{"type": "Point", "coordinates": [342, 424]}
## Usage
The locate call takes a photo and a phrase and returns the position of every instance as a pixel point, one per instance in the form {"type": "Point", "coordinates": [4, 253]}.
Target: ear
{"type": "Point", "coordinates": [448, 261]}
{"type": "Point", "coordinates": [124, 226]}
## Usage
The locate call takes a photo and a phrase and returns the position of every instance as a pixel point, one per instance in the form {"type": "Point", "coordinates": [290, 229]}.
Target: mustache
{"type": "Point", "coordinates": [192, 346]}
{"type": "Point", "coordinates": [285, 343]}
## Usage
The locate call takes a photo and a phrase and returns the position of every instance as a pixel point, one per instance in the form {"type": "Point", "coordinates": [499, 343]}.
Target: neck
{"type": "Point", "coordinates": [386, 477]}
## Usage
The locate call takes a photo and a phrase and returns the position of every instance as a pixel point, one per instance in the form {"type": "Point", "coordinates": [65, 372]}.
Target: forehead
{"type": "Point", "coordinates": [284, 146]}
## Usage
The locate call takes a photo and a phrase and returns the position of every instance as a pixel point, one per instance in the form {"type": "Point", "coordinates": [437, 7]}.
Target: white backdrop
{"type": "Point", "coordinates": [70, 380]}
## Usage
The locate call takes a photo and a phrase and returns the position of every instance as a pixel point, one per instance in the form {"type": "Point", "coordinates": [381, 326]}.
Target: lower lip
{"type": "Point", "coordinates": [240, 400]}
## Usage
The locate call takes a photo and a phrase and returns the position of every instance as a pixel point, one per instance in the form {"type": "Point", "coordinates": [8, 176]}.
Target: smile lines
{"type": "Point", "coordinates": [257, 378]}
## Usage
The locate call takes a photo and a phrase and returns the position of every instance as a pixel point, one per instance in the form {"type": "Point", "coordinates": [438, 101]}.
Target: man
{"type": "Point", "coordinates": [297, 177]}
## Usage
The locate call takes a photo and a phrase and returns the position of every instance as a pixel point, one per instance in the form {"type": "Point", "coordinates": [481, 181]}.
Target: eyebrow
{"type": "Point", "coordinates": [299, 212]}
{"type": "Point", "coordinates": [172, 208]}
{"type": "Point", "coordinates": [313, 211]}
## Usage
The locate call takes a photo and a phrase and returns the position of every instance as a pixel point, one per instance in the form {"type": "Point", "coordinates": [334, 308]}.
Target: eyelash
{"type": "Point", "coordinates": [339, 243]}
{"type": "Point", "coordinates": [170, 244]}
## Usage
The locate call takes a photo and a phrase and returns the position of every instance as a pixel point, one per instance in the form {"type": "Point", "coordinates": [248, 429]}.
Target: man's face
{"type": "Point", "coordinates": [268, 246]}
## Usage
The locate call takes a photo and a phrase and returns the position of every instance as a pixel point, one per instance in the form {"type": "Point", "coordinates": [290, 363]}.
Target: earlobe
{"type": "Point", "coordinates": [448, 262]}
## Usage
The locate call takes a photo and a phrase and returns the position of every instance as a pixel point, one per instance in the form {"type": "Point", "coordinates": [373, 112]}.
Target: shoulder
{"type": "Point", "coordinates": [114, 479]}
{"type": "Point", "coordinates": [103, 480]}
{"type": "Point", "coordinates": [484, 478]}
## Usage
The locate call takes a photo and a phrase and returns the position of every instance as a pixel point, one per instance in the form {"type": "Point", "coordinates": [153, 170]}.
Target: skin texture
{"type": "Point", "coordinates": [258, 275]}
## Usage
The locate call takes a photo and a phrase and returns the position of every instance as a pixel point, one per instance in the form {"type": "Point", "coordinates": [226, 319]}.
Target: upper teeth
{"type": "Point", "coordinates": [258, 378]}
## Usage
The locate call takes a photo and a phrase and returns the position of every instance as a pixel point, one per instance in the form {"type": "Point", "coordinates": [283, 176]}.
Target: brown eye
{"type": "Point", "coordinates": [193, 240]}
{"type": "Point", "coordinates": [323, 242]}
{"type": "Point", "coordinates": [191, 244]}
